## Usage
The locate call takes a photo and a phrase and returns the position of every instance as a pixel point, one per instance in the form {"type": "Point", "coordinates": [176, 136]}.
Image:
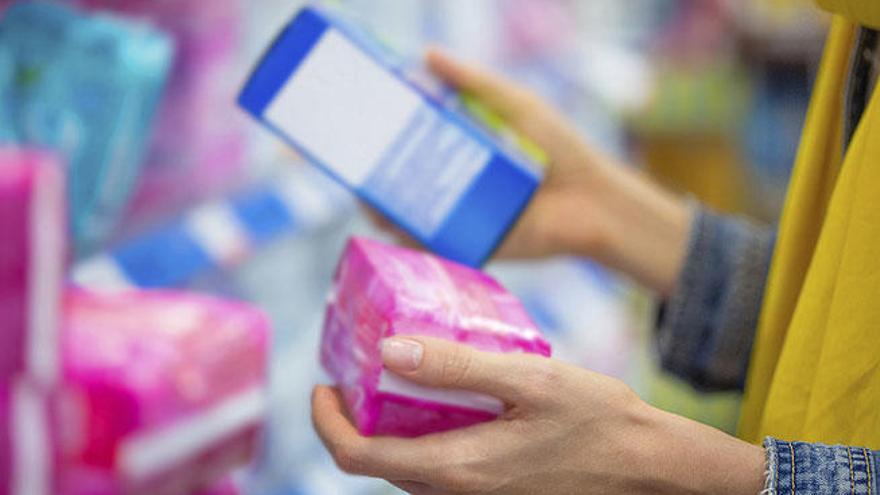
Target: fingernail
{"type": "Point", "coordinates": [402, 354]}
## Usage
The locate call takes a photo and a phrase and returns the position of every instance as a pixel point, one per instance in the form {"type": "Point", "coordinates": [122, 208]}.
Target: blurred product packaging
{"type": "Point", "coordinates": [32, 219]}
{"type": "Point", "coordinates": [198, 148]}
{"type": "Point", "coordinates": [383, 291]}
{"type": "Point", "coordinates": [226, 486]}
{"type": "Point", "coordinates": [7, 72]}
{"type": "Point", "coordinates": [86, 86]}
{"type": "Point", "coordinates": [217, 235]}
{"type": "Point", "coordinates": [166, 391]}
{"type": "Point", "coordinates": [28, 455]}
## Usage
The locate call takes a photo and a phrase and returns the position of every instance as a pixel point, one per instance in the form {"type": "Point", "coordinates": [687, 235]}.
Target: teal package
{"type": "Point", "coordinates": [87, 86]}
{"type": "Point", "coordinates": [336, 96]}
{"type": "Point", "coordinates": [7, 130]}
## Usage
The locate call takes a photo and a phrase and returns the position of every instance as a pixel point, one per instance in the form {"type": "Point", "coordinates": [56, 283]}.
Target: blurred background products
{"type": "Point", "coordinates": [166, 391]}
{"type": "Point", "coordinates": [33, 211]}
{"type": "Point", "coordinates": [171, 186]}
{"type": "Point", "coordinates": [33, 206]}
{"type": "Point", "coordinates": [86, 86]}
{"type": "Point", "coordinates": [199, 137]}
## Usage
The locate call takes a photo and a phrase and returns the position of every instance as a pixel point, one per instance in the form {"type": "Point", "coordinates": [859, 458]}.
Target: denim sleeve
{"type": "Point", "coordinates": [799, 468]}
{"type": "Point", "coordinates": [706, 328]}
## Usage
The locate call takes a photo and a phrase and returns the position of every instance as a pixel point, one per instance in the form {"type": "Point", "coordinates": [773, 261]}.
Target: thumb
{"type": "Point", "coordinates": [442, 364]}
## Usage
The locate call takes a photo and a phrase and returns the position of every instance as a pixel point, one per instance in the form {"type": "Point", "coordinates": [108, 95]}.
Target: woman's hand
{"type": "Point", "coordinates": [588, 205]}
{"type": "Point", "coordinates": [565, 430]}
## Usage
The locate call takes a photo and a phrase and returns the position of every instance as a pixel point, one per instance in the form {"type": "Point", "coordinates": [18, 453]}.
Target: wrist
{"type": "Point", "coordinates": [643, 229]}
{"type": "Point", "coordinates": [684, 456]}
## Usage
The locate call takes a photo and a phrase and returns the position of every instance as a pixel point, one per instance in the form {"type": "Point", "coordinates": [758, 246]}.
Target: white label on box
{"type": "Point", "coordinates": [343, 107]}
{"type": "Point", "coordinates": [377, 134]}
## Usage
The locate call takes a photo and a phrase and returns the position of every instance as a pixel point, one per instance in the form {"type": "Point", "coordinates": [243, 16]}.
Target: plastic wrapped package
{"type": "Point", "coordinates": [28, 454]}
{"type": "Point", "coordinates": [88, 87]}
{"type": "Point", "coordinates": [32, 221]}
{"type": "Point", "coordinates": [199, 139]}
{"type": "Point", "coordinates": [217, 234]}
{"type": "Point", "coordinates": [382, 291]}
{"type": "Point", "coordinates": [168, 388]}
{"type": "Point", "coordinates": [224, 487]}
{"type": "Point", "coordinates": [7, 130]}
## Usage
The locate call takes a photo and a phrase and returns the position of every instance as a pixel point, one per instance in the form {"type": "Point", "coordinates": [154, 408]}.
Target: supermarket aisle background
{"type": "Point", "coordinates": [708, 95]}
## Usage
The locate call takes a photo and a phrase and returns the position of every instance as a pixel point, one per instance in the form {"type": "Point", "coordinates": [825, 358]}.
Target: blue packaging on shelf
{"type": "Point", "coordinates": [7, 131]}
{"type": "Point", "coordinates": [86, 85]}
{"type": "Point", "coordinates": [345, 104]}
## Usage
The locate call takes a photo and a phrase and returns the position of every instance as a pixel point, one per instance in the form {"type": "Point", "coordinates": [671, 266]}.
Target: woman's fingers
{"type": "Point", "coordinates": [513, 378]}
{"type": "Point", "coordinates": [505, 97]}
{"type": "Point", "coordinates": [416, 488]}
{"type": "Point", "coordinates": [390, 458]}
{"type": "Point", "coordinates": [522, 109]}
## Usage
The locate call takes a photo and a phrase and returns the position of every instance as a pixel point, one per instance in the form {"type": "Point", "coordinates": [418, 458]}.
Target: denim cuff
{"type": "Point", "coordinates": [799, 468]}
{"type": "Point", "coordinates": [706, 328]}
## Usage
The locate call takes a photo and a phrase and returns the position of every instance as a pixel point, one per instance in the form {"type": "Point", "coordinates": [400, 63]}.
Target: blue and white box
{"type": "Point", "coordinates": [335, 96]}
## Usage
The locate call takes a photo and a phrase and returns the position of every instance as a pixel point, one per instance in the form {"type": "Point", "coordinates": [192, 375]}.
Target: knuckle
{"type": "Point", "coordinates": [463, 479]}
{"type": "Point", "coordinates": [456, 368]}
{"type": "Point", "coordinates": [542, 378]}
{"type": "Point", "coordinates": [347, 457]}
{"type": "Point", "coordinates": [468, 471]}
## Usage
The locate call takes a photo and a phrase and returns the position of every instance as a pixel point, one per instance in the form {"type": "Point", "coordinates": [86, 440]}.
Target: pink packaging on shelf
{"type": "Point", "coordinates": [28, 457]}
{"type": "Point", "coordinates": [382, 291]}
{"type": "Point", "coordinates": [169, 389]}
{"type": "Point", "coordinates": [32, 223]}
{"type": "Point", "coordinates": [224, 487]}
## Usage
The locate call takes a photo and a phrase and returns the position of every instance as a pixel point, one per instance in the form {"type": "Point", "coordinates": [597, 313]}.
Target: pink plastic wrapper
{"type": "Point", "coordinates": [28, 454]}
{"type": "Point", "coordinates": [382, 291]}
{"type": "Point", "coordinates": [168, 390]}
{"type": "Point", "coordinates": [224, 487]}
{"type": "Point", "coordinates": [32, 223]}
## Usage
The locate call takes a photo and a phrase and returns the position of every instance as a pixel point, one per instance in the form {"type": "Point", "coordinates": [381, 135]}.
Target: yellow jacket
{"type": "Point", "coordinates": [815, 369]}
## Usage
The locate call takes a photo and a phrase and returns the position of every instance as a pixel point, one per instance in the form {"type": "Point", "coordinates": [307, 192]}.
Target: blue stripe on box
{"type": "Point", "coordinates": [164, 258]}
{"type": "Point", "coordinates": [263, 215]}
{"type": "Point", "coordinates": [481, 219]}
{"type": "Point", "coordinates": [281, 61]}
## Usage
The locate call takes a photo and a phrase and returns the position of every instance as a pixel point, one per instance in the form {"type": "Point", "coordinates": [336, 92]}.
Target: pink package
{"type": "Point", "coordinates": [382, 291]}
{"type": "Point", "coordinates": [224, 487]}
{"type": "Point", "coordinates": [169, 389]}
{"type": "Point", "coordinates": [28, 457]}
{"type": "Point", "coordinates": [32, 223]}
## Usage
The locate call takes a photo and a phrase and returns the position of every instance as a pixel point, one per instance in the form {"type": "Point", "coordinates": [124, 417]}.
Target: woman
{"type": "Point", "coordinates": [793, 317]}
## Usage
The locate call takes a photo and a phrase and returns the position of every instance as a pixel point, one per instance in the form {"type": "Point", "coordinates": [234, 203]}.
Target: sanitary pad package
{"type": "Point", "coordinates": [7, 130]}
{"type": "Point", "coordinates": [28, 457]}
{"type": "Point", "coordinates": [383, 291]}
{"type": "Point", "coordinates": [86, 86]}
{"type": "Point", "coordinates": [345, 104]}
{"type": "Point", "coordinates": [169, 389]}
{"type": "Point", "coordinates": [32, 223]}
{"type": "Point", "coordinates": [198, 137]}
